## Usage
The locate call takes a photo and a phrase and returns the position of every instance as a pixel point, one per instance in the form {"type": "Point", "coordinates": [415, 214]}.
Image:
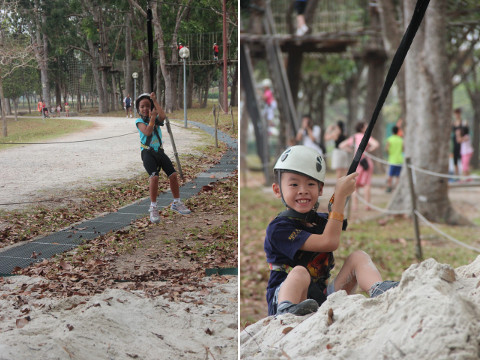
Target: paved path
{"type": "Point", "coordinates": [64, 240]}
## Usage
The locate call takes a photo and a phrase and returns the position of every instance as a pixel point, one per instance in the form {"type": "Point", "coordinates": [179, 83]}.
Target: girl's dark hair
{"type": "Point", "coordinates": [341, 126]}
{"type": "Point", "coordinates": [465, 130]}
{"type": "Point", "coordinates": [359, 127]}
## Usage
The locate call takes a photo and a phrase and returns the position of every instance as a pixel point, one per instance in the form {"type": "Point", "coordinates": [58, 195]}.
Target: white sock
{"type": "Point", "coordinates": [153, 204]}
{"type": "Point", "coordinates": [176, 200]}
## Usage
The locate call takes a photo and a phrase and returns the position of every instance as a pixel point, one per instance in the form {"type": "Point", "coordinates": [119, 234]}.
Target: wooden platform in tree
{"type": "Point", "coordinates": [321, 42]}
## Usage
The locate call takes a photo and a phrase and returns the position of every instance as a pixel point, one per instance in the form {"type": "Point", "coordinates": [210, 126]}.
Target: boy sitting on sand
{"type": "Point", "coordinates": [300, 242]}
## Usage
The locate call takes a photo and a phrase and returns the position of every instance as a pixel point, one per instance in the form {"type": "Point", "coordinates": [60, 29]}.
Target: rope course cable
{"type": "Point", "coordinates": [416, 168]}
{"type": "Point", "coordinates": [421, 217]}
{"type": "Point", "coordinates": [385, 211]}
{"type": "Point", "coordinates": [64, 142]}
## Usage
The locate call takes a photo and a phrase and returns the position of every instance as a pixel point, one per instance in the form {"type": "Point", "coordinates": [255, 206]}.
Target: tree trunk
{"type": "Point", "coordinates": [104, 93]}
{"type": "Point", "coordinates": [392, 35]}
{"type": "Point", "coordinates": [476, 130]}
{"type": "Point", "coordinates": [115, 96]}
{"type": "Point", "coordinates": [41, 52]}
{"type": "Point", "coordinates": [28, 103]}
{"type": "Point", "coordinates": [190, 82]}
{"type": "Point", "coordinates": [96, 78]}
{"type": "Point", "coordinates": [169, 74]}
{"type": "Point", "coordinates": [2, 104]}
{"type": "Point", "coordinates": [15, 107]}
{"type": "Point", "coordinates": [429, 108]}
{"type": "Point", "coordinates": [128, 57]}
{"type": "Point", "coordinates": [351, 94]}
{"type": "Point", "coordinates": [234, 88]}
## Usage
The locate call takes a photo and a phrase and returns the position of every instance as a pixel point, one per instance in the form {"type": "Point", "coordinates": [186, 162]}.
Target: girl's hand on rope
{"type": "Point", "coordinates": [345, 187]}
{"type": "Point", "coordinates": [152, 116]}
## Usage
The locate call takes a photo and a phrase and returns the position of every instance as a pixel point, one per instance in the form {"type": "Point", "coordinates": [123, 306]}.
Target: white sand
{"type": "Point", "coordinates": [119, 325]}
{"type": "Point", "coordinates": [37, 172]}
{"type": "Point", "coordinates": [433, 314]}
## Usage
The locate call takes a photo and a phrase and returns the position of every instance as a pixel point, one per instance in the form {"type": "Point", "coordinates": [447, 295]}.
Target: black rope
{"type": "Point", "coordinates": [150, 45]}
{"type": "Point", "coordinates": [395, 66]}
{"type": "Point", "coordinates": [64, 142]}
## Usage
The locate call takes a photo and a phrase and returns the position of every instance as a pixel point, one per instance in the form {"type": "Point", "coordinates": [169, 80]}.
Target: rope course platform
{"type": "Point", "coordinates": [47, 246]}
{"type": "Point", "coordinates": [203, 62]}
{"type": "Point", "coordinates": [319, 42]}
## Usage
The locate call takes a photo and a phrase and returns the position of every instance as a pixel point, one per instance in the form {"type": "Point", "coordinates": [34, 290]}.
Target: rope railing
{"type": "Point", "coordinates": [451, 238]}
{"type": "Point", "coordinates": [416, 168]}
{"type": "Point", "coordinates": [414, 212]}
{"type": "Point", "coordinates": [382, 210]}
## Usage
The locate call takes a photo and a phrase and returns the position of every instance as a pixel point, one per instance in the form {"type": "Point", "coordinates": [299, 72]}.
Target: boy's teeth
{"type": "Point", "coordinates": [302, 201]}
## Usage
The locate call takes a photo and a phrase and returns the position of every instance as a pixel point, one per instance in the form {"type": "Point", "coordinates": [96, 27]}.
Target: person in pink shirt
{"type": "Point", "coordinates": [365, 168]}
{"type": "Point", "coordinates": [466, 149]}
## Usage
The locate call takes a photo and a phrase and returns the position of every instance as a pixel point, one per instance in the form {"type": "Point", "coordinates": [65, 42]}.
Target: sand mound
{"type": "Point", "coordinates": [433, 314]}
{"type": "Point", "coordinates": [118, 324]}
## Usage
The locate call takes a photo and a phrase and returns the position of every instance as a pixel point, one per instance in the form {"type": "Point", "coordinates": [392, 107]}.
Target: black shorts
{"type": "Point", "coordinates": [456, 153]}
{"type": "Point", "coordinates": [154, 161]}
{"type": "Point", "coordinates": [300, 6]}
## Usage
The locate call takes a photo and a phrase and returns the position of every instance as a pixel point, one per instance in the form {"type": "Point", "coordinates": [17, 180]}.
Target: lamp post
{"type": "Point", "coordinates": [135, 76]}
{"type": "Point", "coordinates": [184, 54]}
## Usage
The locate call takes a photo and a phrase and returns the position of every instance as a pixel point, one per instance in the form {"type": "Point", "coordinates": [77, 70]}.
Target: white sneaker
{"type": "Point", "coordinates": [154, 216]}
{"type": "Point", "coordinates": [302, 31]}
{"type": "Point", "coordinates": [180, 208]}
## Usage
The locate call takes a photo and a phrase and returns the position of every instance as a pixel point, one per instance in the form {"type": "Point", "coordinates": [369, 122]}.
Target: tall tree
{"type": "Point", "coordinates": [429, 107]}
{"type": "Point", "coordinates": [16, 52]}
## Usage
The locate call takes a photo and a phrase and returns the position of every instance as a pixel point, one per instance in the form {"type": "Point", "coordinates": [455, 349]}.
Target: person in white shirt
{"type": "Point", "coordinates": [310, 135]}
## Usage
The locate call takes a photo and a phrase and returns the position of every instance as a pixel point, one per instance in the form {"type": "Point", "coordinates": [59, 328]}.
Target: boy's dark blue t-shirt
{"type": "Point", "coordinates": [285, 236]}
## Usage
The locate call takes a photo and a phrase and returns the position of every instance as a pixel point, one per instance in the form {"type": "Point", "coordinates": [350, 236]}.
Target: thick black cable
{"type": "Point", "coordinates": [150, 45]}
{"type": "Point", "coordinates": [399, 57]}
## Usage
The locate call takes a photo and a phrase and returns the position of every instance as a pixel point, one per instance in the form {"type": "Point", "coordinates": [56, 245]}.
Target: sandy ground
{"type": "Point", "coordinates": [118, 324]}
{"type": "Point", "coordinates": [433, 314]}
{"type": "Point", "coordinates": [37, 172]}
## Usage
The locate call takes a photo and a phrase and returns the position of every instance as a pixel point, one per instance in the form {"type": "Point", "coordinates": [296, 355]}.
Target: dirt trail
{"type": "Point", "coordinates": [37, 172]}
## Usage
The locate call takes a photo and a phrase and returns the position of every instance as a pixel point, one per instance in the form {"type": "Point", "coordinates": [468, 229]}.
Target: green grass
{"type": "Point", "coordinates": [38, 130]}
{"type": "Point", "coordinates": [391, 247]}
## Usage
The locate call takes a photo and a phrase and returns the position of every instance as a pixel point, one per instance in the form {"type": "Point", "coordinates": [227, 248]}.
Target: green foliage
{"type": "Point", "coordinates": [38, 130]}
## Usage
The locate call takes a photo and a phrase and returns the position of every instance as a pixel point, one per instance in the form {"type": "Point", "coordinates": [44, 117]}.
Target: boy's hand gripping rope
{"type": "Point", "coordinates": [397, 61]}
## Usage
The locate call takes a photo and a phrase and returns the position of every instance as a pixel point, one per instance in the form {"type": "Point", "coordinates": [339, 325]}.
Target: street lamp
{"type": "Point", "coordinates": [135, 76]}
{"type": "Point", "coordinates": [184, 54]}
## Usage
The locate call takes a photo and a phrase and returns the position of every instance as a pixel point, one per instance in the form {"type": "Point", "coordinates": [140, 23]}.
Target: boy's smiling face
{"type": "Point", "coordinates": [144, 107]}
{"type": "Point", "coordinates": [300, 192]}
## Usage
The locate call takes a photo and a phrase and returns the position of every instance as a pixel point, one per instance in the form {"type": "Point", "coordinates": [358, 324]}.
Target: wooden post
{"type": "Point", "coordinates": [418, 245]}
{"type": "Point", "coordinates": [215, 119]}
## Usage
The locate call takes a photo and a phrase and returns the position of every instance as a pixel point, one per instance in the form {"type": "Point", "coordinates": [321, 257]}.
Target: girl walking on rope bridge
{"type": "Point", "coordinates": [154, 158]}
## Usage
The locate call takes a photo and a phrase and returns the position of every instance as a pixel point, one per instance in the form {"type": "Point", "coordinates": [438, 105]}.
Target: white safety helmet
{"type": "Point", "coordinates": [303, 160]}
{"type": "Point", "coordinates": [141, 97]}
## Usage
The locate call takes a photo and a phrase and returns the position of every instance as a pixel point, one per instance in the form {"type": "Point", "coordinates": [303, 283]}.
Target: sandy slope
{"type": "Point", "coordinates": [118, 324]}
{"type": "Point", "coordinates": [433, 314]}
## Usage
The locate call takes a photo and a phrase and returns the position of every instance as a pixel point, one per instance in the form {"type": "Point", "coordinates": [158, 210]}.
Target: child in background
{"type": "Point", "coordinates": [300, 242]}
{"type": "Point", "coordinates": [466, 149]}
{"type": "Point", "coordinates": [395, 157]}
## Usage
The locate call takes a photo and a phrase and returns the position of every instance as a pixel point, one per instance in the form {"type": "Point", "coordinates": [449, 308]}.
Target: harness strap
{"type": "Point", "coordinates": [149, 139]}
{"type": "Point", "coordinates": [280, 267]}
